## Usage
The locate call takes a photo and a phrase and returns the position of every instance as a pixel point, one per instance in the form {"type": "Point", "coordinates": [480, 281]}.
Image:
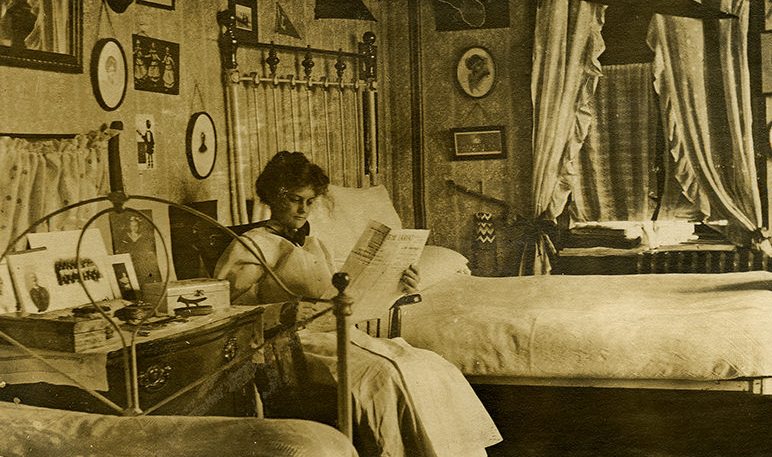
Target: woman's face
{"type": "Point", "coordinates": [291, 209]}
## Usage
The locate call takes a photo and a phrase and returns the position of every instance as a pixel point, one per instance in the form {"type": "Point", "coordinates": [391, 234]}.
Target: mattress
{"type": "Point", "coordinates": [672, 327]}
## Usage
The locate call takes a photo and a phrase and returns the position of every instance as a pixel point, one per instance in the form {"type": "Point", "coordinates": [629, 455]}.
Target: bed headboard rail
{"type": "Point", "coordinates": [316, 101]}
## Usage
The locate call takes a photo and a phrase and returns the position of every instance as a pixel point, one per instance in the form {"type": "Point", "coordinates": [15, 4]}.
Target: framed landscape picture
{"type": "Point", "coordinates": [472, 143]}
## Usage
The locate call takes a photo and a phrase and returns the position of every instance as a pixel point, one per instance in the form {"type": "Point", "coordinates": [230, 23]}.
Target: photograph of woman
{"type": "Point", "coordinates": [133, 235]}
{"type": "Point", "coordinates": [445, 415]}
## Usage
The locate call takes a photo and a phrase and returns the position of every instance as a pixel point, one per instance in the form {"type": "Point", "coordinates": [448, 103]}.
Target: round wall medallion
{"type": "Point", "coordinates": [476, 72]}
{"type": "Point", "coordinates": [201, 144]}
{"type": "Point", "coordinates": [108, 73]}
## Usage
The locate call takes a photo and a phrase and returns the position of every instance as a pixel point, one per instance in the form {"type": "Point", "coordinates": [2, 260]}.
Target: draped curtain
{"type": "Point", "coordinates": [701, 76]}
{"type": "Point", "coordinates": [567, 44]}
{"type": "Point", "coordinates": [615, 168]}
{"type": "Point", "coordinates": [41, 176]}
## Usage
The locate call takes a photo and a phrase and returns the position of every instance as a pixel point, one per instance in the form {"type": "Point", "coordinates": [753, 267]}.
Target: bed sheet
{"type": "Point", "coordinates": [29, 431]}
{"type": "Point", "coordinates": [668, 326]}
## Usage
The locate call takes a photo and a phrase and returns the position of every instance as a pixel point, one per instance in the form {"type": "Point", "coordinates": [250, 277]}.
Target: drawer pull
{"type": "Point", "coordinates": [155, 377]}
{"type": "Point", "coordinates": [230, 348]}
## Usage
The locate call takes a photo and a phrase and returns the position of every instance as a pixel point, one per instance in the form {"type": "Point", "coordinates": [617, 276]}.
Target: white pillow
{"type": "Point", "coordinates": [438, 263]}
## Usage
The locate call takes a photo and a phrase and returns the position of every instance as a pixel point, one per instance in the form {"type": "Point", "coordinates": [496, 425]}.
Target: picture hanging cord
{"type": "Point", "coordinates": [197, 90]}
{"type": "Point", "coordinates": [475, 107]}
{"type": "Point", "coordinates": [103, 7]}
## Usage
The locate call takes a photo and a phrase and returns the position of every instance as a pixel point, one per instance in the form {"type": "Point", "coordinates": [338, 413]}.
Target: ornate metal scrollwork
{"type": "Point", "coordinates": [230, 349]}
{"type": "Point", "coordinates": [154, 377]}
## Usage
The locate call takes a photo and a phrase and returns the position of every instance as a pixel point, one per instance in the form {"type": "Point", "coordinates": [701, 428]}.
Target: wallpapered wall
{"type": "Point", "coordinates": [37, 101]}
{"type": "Point", "coordinates": [450, 214]}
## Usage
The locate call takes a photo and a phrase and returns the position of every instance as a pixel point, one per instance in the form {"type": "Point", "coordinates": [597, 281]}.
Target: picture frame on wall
{"type": "Point", "coordinates": [201, 144]}
{"type": "Point", "coordinates": [476, 72]}
{"type": "Point", "coordinates": [156, 65]}
{"type": "Point", "coordinates": [768, 15]}
{"type": "Point", "coordinates": [245, 12]}
{"type": "Point", "coordinates": [477, 143]}
{"type": "Point", "coordinates": [165, 4]}
{"type": "Point", "coordinates": [109, 73]}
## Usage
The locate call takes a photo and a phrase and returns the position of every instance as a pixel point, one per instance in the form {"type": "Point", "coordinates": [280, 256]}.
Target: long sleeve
{"type": "Point", "coordinates": [242, 270]}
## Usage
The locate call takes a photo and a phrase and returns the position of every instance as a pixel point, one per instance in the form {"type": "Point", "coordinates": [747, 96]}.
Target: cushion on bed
{"type": "Point", "coordinates": [438, 263]}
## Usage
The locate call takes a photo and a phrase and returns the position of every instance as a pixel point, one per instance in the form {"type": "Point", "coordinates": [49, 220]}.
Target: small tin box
{"type": "Point", "coordinates": [188, 293]}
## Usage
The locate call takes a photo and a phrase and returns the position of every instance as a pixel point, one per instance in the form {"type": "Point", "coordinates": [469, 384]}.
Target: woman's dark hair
{"type": "Point", "coordinates": [286, 171]}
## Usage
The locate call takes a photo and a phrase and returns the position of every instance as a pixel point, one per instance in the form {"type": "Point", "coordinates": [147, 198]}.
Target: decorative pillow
{"type": "Point", "coordinates": [438, 263]}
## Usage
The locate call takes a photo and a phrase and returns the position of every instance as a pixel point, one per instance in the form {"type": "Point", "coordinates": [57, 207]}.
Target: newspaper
{"type": "Point", "coordinates": [375, 266]}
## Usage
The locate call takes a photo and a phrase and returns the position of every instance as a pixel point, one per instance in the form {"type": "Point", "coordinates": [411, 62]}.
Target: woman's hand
{"type": "Point", "coordinates": [410, 280]}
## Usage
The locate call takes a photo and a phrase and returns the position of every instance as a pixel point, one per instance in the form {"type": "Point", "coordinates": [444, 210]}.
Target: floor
{"type": "Point", "coordinates": [549, 422]}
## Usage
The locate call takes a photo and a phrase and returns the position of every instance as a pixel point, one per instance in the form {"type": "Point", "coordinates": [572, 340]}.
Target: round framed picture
{"type": "Point", "coordinates": [108, 73]}
{"type": "Point", "coordinates": [201, 144]}
{"type": "Point", "coordinates": [476, 72]}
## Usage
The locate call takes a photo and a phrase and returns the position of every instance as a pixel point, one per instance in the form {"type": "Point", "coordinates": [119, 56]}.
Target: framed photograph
{"type": "Point", "coordinates": [47, 37]}
{"type": "Point", "coordinates": [134, 235]}
{"type": "Point", "coordinates": [472, 143]}
{"type": "Point", "coordinates": [245, 12]}
{"type": "Point", "coordinates": [476, 72]}
{"type": "Point", "coordinates": [61, 250]}
{"type": "Point", "coordinates": [7, 295]}
{"type": "Point", "coordinates": [124, 279]}
{"type": "Point", "coordinates": [165, 4]}
{"type": "Point", "coordinates": [201, 144]}
{"type": "Point", "coordinates": [108, 73]}
{"type": "Point", "coordinates": [33, 280]}
{"type": "Point", "coordinates": [156, 65]}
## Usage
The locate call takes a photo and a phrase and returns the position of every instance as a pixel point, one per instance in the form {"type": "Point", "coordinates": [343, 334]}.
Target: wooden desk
{"type": "Point", "coordinates": [168, 359]}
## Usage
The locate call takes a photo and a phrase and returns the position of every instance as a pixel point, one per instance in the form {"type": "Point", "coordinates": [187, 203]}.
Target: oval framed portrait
{"type": "Point", "coordinates": [108, 73]}
{"type": "Point", "coordinates": [201, 144]}
{"type": "Point", "coordinates": [476, 72]}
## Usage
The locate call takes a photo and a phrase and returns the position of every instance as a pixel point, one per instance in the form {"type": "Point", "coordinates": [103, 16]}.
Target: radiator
{"type": "Point", "coordinates": [716, 259]}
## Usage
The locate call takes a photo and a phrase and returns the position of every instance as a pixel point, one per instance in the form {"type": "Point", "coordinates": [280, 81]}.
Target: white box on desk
{"type": "Point", "coordinates": [188, 292]}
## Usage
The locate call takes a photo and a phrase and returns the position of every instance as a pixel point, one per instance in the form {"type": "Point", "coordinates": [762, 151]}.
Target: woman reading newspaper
{"type": "Point", "coordinates": [408, 401]}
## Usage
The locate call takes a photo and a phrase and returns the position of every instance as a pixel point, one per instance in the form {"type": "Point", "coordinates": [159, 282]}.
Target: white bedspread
{"type": "Point", "coordinates": [676, 326]}
{"type": "Point", "coordinates": [397, 390]}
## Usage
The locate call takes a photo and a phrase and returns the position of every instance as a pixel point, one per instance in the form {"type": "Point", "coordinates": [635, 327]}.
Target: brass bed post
{"type": "Point", "coordinates": [342, 309]}
{"type": "Point", "coordinates": [232, 79]}
{"type": "Point", "coordinates": [369, 59]}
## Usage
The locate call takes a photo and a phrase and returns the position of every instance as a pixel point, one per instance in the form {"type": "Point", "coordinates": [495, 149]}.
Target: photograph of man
{"type": "Point", "coordinates": [133, 235]}
{"type": "Point", "coordinates": [39, 294]}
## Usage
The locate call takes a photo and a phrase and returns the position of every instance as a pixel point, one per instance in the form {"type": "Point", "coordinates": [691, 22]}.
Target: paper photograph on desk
{"type": "Point", "coordinates": [123, 277]}
{"type": "Point", "coordinates": [64, 260]}
{"type": "Point", "coordinates": [33, 280]}
{"type": "Point", "coordinates": [7, 295]}
{"type": "Point", "coordinates": [134, 235]}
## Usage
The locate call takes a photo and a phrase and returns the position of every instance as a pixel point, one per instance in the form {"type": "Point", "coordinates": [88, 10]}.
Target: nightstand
{"type": "Point", "coordinates": [170, 358]}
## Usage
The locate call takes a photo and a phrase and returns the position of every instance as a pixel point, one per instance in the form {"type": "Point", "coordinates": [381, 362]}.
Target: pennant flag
{"type": "Point", "coordinates": [283, 24]}
{"type": "Point", "coordinates": [342, 9]}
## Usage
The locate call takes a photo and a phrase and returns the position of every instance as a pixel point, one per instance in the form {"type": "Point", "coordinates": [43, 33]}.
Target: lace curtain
{"type": "Point", "coordinates": [41, 176]}
{"type": "Point", "coordinates": [702, 78]}
{"type": "Point", "coordinates": [567, 44]}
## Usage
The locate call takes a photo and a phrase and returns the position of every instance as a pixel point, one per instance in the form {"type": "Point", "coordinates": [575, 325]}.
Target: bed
{"type": "Point", "coordinates": [671, 331]}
